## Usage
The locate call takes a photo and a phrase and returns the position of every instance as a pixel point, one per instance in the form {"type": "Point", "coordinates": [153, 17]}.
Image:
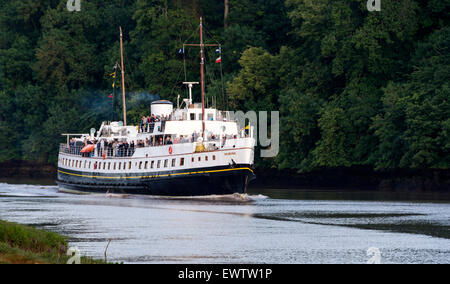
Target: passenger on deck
{"type": "Point", "coordinates": [126, 147]}
{"type": "Point", "coordinates": [132, 148]}
{"type": "Point", "coordinates": [147, 126]}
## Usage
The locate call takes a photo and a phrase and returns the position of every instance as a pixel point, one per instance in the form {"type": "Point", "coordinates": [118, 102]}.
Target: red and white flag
{"type": "Point", "coordinates": [218, 60]}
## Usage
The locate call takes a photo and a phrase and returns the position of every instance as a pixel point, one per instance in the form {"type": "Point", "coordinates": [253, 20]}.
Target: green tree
{"type": "Point", "coordinates": [161, 29]}
{"type": "Point", "coordinates": [256, 86]}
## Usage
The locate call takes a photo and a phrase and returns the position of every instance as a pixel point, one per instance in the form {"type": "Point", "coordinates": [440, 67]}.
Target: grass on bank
{"type": "Point", "coordinates": [20, 244]}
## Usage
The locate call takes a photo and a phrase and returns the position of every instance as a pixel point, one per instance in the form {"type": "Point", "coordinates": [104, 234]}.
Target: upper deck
{"type": "Point", "coordinates": [182, 129]}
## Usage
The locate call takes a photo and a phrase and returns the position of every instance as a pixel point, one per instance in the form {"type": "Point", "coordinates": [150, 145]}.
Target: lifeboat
{"type": "Point", "coordinates": [88, 149]}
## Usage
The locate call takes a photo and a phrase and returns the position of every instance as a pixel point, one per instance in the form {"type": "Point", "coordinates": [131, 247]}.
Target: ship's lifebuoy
{"type": "Point", "coordinates": [170, 150]}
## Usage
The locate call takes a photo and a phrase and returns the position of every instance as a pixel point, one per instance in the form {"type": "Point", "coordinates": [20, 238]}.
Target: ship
{"type": "Point", "coordinates": [187, 150]}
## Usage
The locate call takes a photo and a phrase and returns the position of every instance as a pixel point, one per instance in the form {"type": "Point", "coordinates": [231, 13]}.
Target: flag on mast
{"type": "Point", "coordinates": [219, 60]}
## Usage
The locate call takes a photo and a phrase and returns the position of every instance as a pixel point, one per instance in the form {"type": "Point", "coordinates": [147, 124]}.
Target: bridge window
{"type": "Point", "coordinates": [152, 164]}
{"type": "Point", "coordinates": [146, 165]}
{"type": "Point", "coordinates": [129, 165]}
{"type": "Point", "coordinates": [206, 158]}
{"type": "Point", "coordinates": [140, 165]}
{"type": "Point", "coordinates": [173, 162]}
{"type": "Point", "coordinates": [159, 164]}
{"type": "Point", "coordinates": [214, 157]}
{"type": "Point", "coordinates": [181, 162]}
{"type": "Point", "coordinates": [166, 162]}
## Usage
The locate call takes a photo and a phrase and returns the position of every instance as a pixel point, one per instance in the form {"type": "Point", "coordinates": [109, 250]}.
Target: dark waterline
{"type": "Point", "coordinates": [306, 194]}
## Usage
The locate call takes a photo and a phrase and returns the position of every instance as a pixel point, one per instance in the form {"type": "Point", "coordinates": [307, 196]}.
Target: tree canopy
{"type": "Point", "coordinates": [353, 87]}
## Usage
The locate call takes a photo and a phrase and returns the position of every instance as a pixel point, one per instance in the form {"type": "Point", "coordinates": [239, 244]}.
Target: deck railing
{"type": "Point", "coordinates": [98, 152]}
{"type": "Point", "coordinates": [115, 152]}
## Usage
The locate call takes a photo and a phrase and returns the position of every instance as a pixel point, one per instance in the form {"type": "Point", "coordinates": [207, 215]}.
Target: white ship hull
{"type": "Point", "coordinates": [170, 170]}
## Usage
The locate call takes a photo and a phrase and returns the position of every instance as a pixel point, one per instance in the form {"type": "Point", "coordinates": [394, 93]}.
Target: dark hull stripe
{"type": "Point", "coordinates": [106, 176]}
{"type": "Point", "coordinates": [219, 180]}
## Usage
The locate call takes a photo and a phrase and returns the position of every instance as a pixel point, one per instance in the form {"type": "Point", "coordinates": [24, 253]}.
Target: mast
{"type": "Point", "coordinates": [202, 67]}
{"type": "Point", "coordinates": [123, 80]}
{"type": "Point", "coordinates": [202, 63]}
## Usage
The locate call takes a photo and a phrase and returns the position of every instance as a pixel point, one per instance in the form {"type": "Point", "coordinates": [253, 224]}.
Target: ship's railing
{"type": "Point", "coordinates": [98, 152]}
{"type": "Point", "coordinates": [112, 152]}
{"type": "Point", "coordinates": [149, 127]}
{"type": "Point", "coordinates": [72, 150]}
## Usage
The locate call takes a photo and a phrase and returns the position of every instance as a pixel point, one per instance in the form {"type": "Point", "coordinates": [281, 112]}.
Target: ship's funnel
{"type": "Point", "coordinates": [162, 108]}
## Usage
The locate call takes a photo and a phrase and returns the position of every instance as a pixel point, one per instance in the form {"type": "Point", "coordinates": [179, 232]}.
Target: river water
{"type": "Point", "coordinates": [265, 226]}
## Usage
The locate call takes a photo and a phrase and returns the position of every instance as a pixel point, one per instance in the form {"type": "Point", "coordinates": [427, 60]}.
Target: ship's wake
{"type": "Point", "coordinates": [231, 198]}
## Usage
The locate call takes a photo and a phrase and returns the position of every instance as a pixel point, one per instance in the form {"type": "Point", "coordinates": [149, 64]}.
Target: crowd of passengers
{"type": "Point", "coordinates": [123, 148]}
{"type": "Point", "coordinates": [103, 147]}
{"type": "Point", "coordinates": [145, 122]}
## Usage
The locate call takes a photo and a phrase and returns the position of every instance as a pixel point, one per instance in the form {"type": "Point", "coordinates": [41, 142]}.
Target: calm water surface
{"type": "Point", "coordinates": [266, 226]}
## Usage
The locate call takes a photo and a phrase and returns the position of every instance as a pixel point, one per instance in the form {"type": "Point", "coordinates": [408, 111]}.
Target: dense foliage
{"type": "Point", "coordinates": [353, 87]}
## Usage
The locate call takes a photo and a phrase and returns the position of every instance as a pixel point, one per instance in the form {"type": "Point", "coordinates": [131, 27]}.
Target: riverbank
{"type": "Point", "coordinates": [27, 170]}
{"type": "Point", "coordinates": [358, 177]}
{"type": "Point", "coordinates": [20, 244]}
